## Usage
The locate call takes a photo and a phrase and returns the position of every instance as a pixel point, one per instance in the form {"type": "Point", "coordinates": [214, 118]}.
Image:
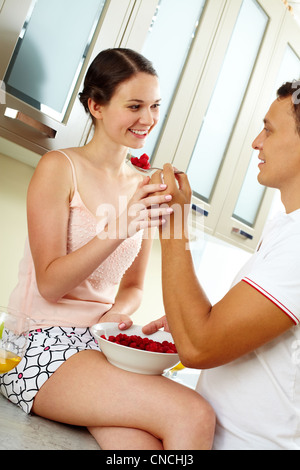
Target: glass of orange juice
{"type": "Point", "coordinates": [14, 330]}
{"type": "Point", "coordinates": [172, 373]}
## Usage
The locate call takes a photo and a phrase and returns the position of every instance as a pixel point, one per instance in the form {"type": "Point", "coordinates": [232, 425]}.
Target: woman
{"type": "Point", "coordinates": [81, 270]}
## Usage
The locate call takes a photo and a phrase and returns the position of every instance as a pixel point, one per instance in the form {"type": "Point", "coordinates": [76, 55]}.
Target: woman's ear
{"type": "Point", "coordinates": [95, 109]}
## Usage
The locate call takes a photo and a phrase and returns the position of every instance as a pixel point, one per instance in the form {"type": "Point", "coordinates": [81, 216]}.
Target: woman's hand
{"type": "Point", "coordinates": [124, 321]}
{"type": "Point", "coordinates": [144, 209]}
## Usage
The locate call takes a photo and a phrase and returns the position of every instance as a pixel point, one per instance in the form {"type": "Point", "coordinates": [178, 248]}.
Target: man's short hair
{"type": "Point", "coordinates": [292, 89]}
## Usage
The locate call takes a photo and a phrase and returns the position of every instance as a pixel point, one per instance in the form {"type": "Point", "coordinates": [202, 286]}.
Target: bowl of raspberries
{"type": "Point", "coordinates": [133, 351]}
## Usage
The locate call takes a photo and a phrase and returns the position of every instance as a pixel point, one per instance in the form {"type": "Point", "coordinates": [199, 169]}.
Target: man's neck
{"type": "Point", "coordinates": [291, 201]}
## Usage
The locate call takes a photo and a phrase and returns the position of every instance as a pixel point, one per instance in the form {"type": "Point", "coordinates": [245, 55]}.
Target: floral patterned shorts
{"type": "Point", "coordinates": [48, 349]}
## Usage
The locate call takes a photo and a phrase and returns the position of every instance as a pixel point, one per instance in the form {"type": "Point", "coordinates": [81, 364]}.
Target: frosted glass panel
{"type": "Point", "coordinates": [50, 52]}
{"type": "Point", "coordinates": [167, 46]}
{"type": "Point", "coordinates": [250, 196]}
{"type": "Point", "coordinates": [289, 70]}
{"type": "Point", "coordinates": [252, 192]}
{"type": "Point", "coordinates": [227, 98]}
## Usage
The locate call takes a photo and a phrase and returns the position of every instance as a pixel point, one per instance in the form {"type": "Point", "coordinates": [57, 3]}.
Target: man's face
{"type": "Point", "coordinates": [279, 148]}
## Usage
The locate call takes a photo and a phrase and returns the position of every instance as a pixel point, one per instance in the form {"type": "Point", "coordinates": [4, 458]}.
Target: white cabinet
{"type": "Point", "coordinates": [216, 141]}
{"type": "Point", "coordinates": [45, 50]}
{"type": "Point", "coordinates": [247, 204]}
{"type": "Point", "coordinates": [241, 52]}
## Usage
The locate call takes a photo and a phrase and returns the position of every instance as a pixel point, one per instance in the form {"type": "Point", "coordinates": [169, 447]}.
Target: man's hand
{"type": "Point", "coordinates": [156, 325]}
{"type": "Point", "coordinates": [177, 184]}
{"type": "Point", "coordinates": [179, 188]}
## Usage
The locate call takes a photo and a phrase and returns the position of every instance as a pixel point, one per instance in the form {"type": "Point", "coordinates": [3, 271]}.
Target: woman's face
{"type": "Point", "coordinates": [132, 112]}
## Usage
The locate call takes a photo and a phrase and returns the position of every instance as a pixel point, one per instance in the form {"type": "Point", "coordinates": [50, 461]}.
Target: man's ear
{"type": "Point", "coordinates": [95, 109]}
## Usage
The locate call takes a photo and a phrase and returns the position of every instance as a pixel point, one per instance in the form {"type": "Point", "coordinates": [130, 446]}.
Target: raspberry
{"type": "Point", "coordinates": [142, 162]}
{"type": "Point", "coordinates": [134, 161]}
{"type": "Point", "coordinates": [146, 344]}
{"type": "Point", "coordinates": [151, 347]}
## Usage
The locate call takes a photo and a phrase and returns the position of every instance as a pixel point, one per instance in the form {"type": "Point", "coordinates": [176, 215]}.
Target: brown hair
{"type": "Point", "coordinates": [292, 89]}
{"type": "Point", "coordinates": [108, 70]}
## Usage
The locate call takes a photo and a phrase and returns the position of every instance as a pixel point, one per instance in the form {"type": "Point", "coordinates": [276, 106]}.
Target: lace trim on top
{"type": "Point", "coordinates": [83, 228]}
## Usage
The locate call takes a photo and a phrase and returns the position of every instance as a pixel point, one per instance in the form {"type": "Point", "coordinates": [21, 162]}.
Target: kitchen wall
{"type": "Point", "coordinates": [14, 180]}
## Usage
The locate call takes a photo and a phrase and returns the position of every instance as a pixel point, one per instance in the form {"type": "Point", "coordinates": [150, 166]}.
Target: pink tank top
{"type": "Point", "coordinates": [86, 303]}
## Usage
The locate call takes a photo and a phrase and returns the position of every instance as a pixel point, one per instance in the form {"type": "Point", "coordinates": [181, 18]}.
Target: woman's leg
{"type": "Point", "coordinates": [125, 439]}
{"type": "Point", "coordinates": [88, 391]}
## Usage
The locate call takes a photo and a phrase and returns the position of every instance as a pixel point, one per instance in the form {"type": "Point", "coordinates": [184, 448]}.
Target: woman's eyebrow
{"type": "Point", "coordinates": [141, 101]}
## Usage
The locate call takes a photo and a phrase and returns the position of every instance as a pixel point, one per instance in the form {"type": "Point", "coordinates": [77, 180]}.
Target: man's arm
{"type": "Point", "coordinates": [208, 336]}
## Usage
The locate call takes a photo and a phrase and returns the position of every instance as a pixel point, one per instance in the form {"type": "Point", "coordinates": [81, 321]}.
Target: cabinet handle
{"type": "Point", "coordinates": [200, 210]}
{"type": "Point", "coordinates": [29, 121]}
{"type": "Point", "coordinates": [242, 233]}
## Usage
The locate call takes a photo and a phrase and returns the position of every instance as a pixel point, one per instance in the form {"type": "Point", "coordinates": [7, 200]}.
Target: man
{"type": "Point", "coordinates": [248, 344]}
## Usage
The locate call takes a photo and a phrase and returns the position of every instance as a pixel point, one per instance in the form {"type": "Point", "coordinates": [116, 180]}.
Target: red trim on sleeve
{"type": "Point", "coordinates": [272, 299]}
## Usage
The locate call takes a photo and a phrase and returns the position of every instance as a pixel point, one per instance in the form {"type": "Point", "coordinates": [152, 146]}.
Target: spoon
{"type": "Point", "coordinates": [149, 170]}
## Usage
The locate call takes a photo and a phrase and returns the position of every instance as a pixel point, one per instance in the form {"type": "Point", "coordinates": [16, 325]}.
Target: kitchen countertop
{"type": "Point", "coordinates": [19, 431]}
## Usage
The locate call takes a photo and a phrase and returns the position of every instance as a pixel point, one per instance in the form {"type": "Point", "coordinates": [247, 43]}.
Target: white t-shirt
{"type": "Point", "coordinates": [257, 397]}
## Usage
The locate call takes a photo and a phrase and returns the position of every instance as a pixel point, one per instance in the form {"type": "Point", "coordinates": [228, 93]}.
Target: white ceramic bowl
{"type": "Point", "coordinates": [134, 360]}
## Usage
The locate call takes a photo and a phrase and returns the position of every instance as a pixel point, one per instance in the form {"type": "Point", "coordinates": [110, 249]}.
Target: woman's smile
{"type": "Point", "coordinates": [140, 134]}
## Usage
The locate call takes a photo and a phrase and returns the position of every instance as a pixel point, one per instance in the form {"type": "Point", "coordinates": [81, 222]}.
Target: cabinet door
{"type": "Point", "coordinates": [47, 47]}
{"type": "Point", "coordinates": [225, 102]}
{"type": "Point", "coordinates": [178, 42]}
{"type": "Point", "coordinates": [248, 203]}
